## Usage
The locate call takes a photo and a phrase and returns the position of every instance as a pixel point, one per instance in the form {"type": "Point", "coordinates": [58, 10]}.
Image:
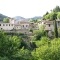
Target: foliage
{"type": "Point", "coordinates": [33, 45]}
{"type": "Point", "coordinates": [39, 33]}
{"type": "Point", "coordinates": [51, 16]}
{"type": "Point", "coordinates": [56, 9]}
{"type": "Point", "coordinates": [4, 58]}
{"type": "Point", "coordinates": [43, 41]}
{"type": "Point", "coordinates": [48, 51]}
{"type": "Point", "coordinates": [58, 15]}
{"type": "Point", "coordinates": [23, 54]}
{"type": "Point", "coordinates": [6, 20]}
{"type": "Point", "coordinates": [31, 30]}
{"type": "Point", "coordinates": [59, 32]}
{"type": "Point", "coordinates": [41, 28]}
{"type": "Point", "coordinates": [47, 13]}
{"type": "Point", "coordinates": [47, 16]}
{"type": "Point", "coordinates": [55, 13]}
{"type": "Point", "coordinates": [55, 29]}
{"type": "Point", "coordinates": [43, 49]}
{"type": "Point", "coordinates": [8, 45]}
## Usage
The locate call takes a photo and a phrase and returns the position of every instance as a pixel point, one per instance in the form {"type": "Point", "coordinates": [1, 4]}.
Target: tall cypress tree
{"type": "Point", "coordinates": [55, 29]}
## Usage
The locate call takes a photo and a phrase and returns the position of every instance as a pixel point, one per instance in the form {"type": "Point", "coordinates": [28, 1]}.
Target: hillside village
{"type": "Point", "coordinates": [24, 26]}
{"type": "Point", "coordinates": [17, 26]}
{"type": "Point", "coordinates": [31, 39]}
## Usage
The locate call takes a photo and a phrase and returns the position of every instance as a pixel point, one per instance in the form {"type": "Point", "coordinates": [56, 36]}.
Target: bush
{"type": "Point", "coordinates": [46, 52]}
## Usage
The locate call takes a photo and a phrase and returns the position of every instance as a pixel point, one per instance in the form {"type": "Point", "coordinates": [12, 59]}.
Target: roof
{"type": "Point", "coordinates": [47, 22]}
{"type": "Point", "coordinates": [24, 22]}
{"type": "Point", "coordinates": [17, 25]}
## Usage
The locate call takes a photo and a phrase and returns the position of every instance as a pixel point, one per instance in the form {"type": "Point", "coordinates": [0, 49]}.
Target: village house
{"type": "Point", "coordinates": [49, 25]}
{"type": "Point", "coordinates": [6, 26]}
{"type": "Point", "coordinates": [18, 26]}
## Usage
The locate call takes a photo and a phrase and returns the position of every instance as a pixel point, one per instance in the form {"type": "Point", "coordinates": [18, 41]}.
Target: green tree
{"type": "Point", "coordinates": [6, 20]}
{"type": "Point", "coordinates": [4, 58]}
{"type": "Point", "coordinates": [38, 34]}
{"type": "Point", "coordinates": [46, 52]}
{"type": "Point", "coordinates": [45, 15]}
{"type": "Point", "coordinates": [55, 29]}
{"type": "Point", "coordinates": [8, 45]}
{"type": "Point", "coordinates": [42, 41]}
{"type": "Point", "coordinates": [56, 9]}
{"type": "Point", "coordinates": [23, 54]}
{"type": "Point", "coordinates": [53, 16]}
{"type": "Point", "coordinates": [58, 15]}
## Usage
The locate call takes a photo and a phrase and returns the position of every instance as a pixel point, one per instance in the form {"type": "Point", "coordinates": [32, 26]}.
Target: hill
{"type": "Point", "coordinates": [2, 17]}
{"type": "Point", "coordinates": [19, 18]}
{"type": "Point", "coordinates": [36, 17]}
{"type": "Point", "coordinates": [22, 18]}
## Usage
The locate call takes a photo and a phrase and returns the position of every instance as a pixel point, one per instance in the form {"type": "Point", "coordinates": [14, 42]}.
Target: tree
{"type": "Point", "coordinates": [56, 9]}
{"type": "Point", "coordinates": [9, 45]}
{"type": "Point", "coordinates": [23, 54]}
{"type": "Point", "coordinates": [46, 52]}
{"type": "Point", "coordinates": [38, 34]}
{"type": "Point", "coordinates": [55, 13]}
{"type": "Point", "coordinates": [6, 20]}
{"type": "Point", "coordinates": [4, 58]}
{"type": "Point", "coordinates": [45, 15]}
{"type": "Point", "coordinates": [58, 15]}
{"type": "Point", "coordinates": [53, 16]}
{"type": "Point", "coordinates": [55, 29]}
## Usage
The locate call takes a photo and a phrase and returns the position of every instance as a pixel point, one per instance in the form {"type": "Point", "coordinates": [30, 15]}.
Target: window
{"type": "Point", "coordinates": [3, 24]}
{"type": "Point", "coordinates": [23, 25]}
{"type": "Point", "coordinates": [0, 24]}
{"type": "Point", "coordinates": [26, 25]}
{"type": "Point", "coordinates": [49, 25]}
{"type": "Point", "coordinates": [9, 24]}
{"type": "Point", "coordinates": [6, 24]}
{"type": "Point", "coordinates": [31, 23]}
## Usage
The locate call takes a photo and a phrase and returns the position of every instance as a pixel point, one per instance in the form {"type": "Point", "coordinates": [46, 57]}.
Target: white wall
{"type": "Point", "coordinates": [24, 26]}
{"type": "Point", "coordinates": [17, 27]}
{"type": "Point", "coordinates": [49, 28]}
{"type": "Point", "coordinates": [6, 26]}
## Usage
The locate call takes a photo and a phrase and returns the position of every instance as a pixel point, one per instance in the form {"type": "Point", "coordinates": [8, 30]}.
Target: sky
{"type": "Point", "coordinates": [27, 8]}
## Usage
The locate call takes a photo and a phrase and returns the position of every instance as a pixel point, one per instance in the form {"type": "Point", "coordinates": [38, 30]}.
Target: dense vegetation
{"type": "Point", "coordinates": [14, 48]}
{"type": "Point", "coordinates": [54, 14]}
{"type": "Point", "coordinates": [39, 47]}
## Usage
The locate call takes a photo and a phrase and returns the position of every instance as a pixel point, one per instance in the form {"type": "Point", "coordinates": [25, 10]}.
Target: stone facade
{"type": "Point", "coordinates": [17, 26]}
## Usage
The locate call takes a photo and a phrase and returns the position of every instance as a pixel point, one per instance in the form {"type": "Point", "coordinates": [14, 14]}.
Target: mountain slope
{"type": "Point", "coordinates": [36, 17]}
{"type": "Point", "coordinates": [2, 17]}
{"type": "Point", "coordinates": [19, 18]}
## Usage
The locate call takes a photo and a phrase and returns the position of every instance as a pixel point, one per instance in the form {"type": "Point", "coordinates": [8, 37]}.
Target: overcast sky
{"type": "Point", "coordinates": [27, 8]}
